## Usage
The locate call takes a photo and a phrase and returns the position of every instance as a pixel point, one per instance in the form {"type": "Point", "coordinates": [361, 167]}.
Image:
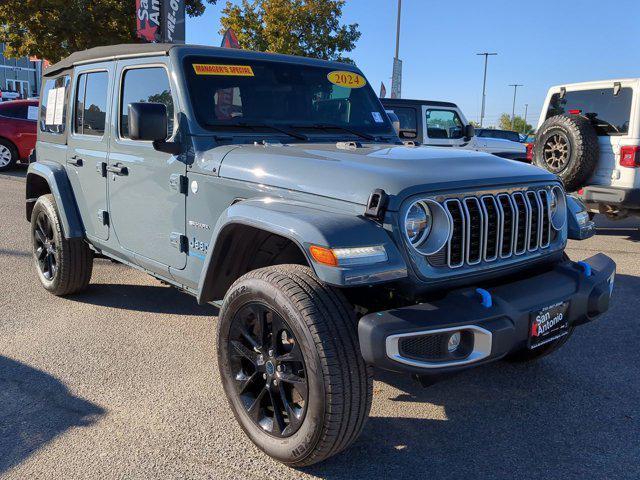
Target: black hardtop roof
{"type": "Point", "coordinates": [114, 52]}
{"type": "Point", "coordinates": [408, 102]}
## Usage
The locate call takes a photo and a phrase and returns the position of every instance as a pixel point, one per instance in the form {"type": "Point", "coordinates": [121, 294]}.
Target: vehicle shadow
{"type": "Point", "coordinates": [632, 235]}
{"type": "Point", "coordinates": [35, 408]}
{"type": "Point", "coordinates": [571, 415]}
{"type": "Point", "coordinates": [20, 171]}
{"type": "Point", "coordinates": [144, 298]}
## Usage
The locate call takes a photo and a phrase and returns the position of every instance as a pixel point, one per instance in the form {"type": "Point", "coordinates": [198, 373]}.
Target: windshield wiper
{"type": "Point", "coordinates": [358, 133]}
{"type": "Point", "coordinates": [299, 136]}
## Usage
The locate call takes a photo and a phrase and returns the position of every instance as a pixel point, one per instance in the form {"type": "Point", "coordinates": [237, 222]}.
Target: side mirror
{"type": "Point", "coordinates": [469, 132]}
{"type": "Point", "coordinates": [407, 134]}
{"type": "Point", "coordinates": [148, 121]}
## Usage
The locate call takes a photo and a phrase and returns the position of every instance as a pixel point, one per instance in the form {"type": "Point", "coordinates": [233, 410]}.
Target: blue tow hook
{"type": "Point", "coordinates": [586, 268]}
{"type": "Point", "coordinates": [485, 297]}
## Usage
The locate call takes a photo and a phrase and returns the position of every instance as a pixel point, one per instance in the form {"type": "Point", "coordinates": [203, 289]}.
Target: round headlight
{"type": "Point", "coordinates": [417, 223]}
{"type": "Point", "coordinates": [558, 208]}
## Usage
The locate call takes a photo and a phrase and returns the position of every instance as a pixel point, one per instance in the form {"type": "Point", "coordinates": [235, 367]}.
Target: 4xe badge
{"type": "Point", "coordinates": [548, 324]}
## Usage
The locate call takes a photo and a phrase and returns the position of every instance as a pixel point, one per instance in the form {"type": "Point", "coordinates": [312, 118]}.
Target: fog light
{"type": "Point", "coordinates": [454, 342]}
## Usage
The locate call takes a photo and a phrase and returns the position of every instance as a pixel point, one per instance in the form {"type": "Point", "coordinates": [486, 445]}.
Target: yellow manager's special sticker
{"type": "Point", "coordinates": [225, 70]}
{"type": "Point", "coordinates": [346, 79]}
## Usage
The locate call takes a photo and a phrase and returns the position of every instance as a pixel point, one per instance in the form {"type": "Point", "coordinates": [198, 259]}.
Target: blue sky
{"type": "Point", "coordinates": [540, 43]}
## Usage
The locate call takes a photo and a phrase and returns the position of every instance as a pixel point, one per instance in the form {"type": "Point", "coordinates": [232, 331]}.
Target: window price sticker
{"type": "Point", "coordinates": [346, 79]}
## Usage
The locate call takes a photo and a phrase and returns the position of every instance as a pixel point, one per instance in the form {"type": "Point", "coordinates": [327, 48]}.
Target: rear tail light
{"type": "Point", "coordinates": [529, 152]}
{"type": "Point", "coordinates": [629, 156]}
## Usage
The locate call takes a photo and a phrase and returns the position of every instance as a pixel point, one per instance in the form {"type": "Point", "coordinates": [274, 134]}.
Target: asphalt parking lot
{"type": "Point", "coordinates": [121, 382]}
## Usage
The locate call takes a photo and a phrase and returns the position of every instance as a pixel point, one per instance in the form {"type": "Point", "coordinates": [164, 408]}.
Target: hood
{"type": "Point", "coordinates": [504, 144]}
{"type": "Point", "coordinates": [351, 175]}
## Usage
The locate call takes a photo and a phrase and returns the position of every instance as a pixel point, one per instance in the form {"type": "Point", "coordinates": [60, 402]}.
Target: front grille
{"type": "Point", "coordinates": [492, 227]}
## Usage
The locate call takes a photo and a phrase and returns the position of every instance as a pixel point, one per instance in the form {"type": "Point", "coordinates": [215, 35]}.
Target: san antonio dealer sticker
{"type": "Point", "coordinates": [224, 70]}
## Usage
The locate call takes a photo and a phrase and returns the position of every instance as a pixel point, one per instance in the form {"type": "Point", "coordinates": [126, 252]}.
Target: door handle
{"type": "Point", "coordinates": [118, 169]}
{"type": "Point", "coordinates": [75, 160]}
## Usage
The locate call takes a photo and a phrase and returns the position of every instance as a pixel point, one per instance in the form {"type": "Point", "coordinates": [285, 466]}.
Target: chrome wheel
{"type": "Point", "coordinates": [5, 156]}
{"type": "Point", "coordinates": [556, 152]}
{"type": "Point", "coordinates": [268, 370]}
{"type": "Point", "coordinates": [45, 250]}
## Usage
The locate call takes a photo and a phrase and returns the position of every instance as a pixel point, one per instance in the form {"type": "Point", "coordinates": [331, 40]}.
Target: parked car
{"type": "Point", "coordinates": [589, 135]}
{"type": "Point", "coordinates": [18, 128]}
{"type": "Point", "coordinates": [495, 133]}
{"type": "Point", "coordinates": [276, 188]}
{"type": "Point", "coordinates": [443, 124]}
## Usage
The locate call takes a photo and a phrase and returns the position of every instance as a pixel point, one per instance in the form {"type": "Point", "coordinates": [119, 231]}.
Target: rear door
{"type": "Point", "coordinates": [88, 145]}
{"type": "Point", "coordinates": [147, 210]}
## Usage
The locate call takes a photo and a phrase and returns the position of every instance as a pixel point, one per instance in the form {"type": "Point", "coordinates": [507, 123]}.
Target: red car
{"type": "Point", "coordinates": [18, 124]}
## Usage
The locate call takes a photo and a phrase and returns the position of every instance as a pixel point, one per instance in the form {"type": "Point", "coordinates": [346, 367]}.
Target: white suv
{"type": "Point", "coordinates": [442, 124]}
{"type": "Point", "coordinates": [589, 134]}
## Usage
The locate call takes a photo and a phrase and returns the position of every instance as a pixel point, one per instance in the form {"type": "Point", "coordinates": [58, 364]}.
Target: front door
{"type": "Point", "coordinates": [147, 211]}
{"type": "Point", "coordinates": [444, 127]}
{"type": "Point", "coordinates": [88, 145]}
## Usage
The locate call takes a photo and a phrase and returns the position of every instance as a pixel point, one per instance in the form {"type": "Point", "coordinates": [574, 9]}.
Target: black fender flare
{"type": "Point", "coordinates": [305, 225]}
{"type": "Point", "coordinates": [55, 176]}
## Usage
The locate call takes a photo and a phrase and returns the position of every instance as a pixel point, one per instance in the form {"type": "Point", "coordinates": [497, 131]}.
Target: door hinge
{"type": "Point", "coordinates": [179, 183]}
{"type": "Point", "coordinates": [101, 168]}
{"type": "Point", "coordinates": [180, 242]}
{"type": "Point", "coordinates": [103, 217]}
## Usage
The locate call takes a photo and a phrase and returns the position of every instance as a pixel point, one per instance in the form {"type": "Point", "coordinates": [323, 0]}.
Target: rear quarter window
{"type": "Point", "coordinates": [609, 114]}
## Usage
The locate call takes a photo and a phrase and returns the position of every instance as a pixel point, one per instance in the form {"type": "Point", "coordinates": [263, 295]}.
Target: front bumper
{"type": "Point", "coordinates": [496, 330]}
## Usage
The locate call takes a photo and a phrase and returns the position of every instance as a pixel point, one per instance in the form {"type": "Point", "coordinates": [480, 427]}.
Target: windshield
{"type": "Point", "coordinates": [255, 96]}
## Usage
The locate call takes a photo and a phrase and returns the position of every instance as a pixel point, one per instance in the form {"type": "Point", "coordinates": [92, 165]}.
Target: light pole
{"type": "Point", "coordinates": [513, 110]}
{"type": "Point", "coordinates": [484, 83]}
{"type": "Point", "coordinates": [396, 80]}
{"type": "Point", "coordinates": [526, 108]}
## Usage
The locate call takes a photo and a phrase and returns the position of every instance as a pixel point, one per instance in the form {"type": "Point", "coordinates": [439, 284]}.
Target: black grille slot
{"type": "Point", "coordinates": [474, 230]}
{"type": "Point", "coordinates": [495, 226]}
{"type": "Point", "coordinates": [456, 244]}
{"type": "Point", "coordinates": [535, 220]}
{"type": "Point", "coordinates": [424, 347]}
{"type": "Point", "coordinates": [506, 246]}
{"type": "Point", "coordinates": [521, 230]}
{"type": "Point", "coordinates": [492, 228]}
{"type": "Point", "coordinates": [545, 237]}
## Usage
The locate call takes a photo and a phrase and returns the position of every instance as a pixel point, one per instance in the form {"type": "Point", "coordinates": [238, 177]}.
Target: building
{"type": "Point", "coordinates": [20, 75]}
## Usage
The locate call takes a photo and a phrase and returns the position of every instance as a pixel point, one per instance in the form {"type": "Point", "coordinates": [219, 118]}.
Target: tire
{"type": "Point", "coordinates": [64, 265]}
{"type": "Point", "coordinates": [8, 155]}
{"type": "Point", "coordinates": [526, 355]}
{"type": "Point", "coordinates": [567, 145]}
{"type": "Point", "coordinates": [338, 384]}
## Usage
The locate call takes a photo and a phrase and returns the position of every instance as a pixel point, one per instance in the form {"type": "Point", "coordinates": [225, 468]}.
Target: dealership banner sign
{"type": "Point", "coordinates": [160, 20]}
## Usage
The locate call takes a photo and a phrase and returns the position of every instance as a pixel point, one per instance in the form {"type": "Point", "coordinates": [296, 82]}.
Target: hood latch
{"type": "Point", "coordinates": [377, 204]}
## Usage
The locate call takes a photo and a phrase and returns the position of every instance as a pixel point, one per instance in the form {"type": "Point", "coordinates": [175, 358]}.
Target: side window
{"type": "Point", "coordinates": [145, 85]}
{"type": "Point", "coordinates": [91, 104]}
{"type": "Point", "coordinates": [53, 105]}
{"type": "Point", "coordinates": [408, 121]}
{"type": "Point", "coordinates": [14, 111]}
{"type": "Point", "coordinates": [444, 124]}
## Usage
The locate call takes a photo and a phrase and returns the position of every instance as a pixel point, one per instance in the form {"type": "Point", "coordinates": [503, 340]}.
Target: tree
{"type": "Point", "coordinates": [519, 125]}
{"type": "Point", "coordinates": [296, 27]}
{"type": "Point", "coordinates": [53, 29]}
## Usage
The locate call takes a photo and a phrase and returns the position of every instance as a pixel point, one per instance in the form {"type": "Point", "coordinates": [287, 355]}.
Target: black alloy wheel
{"type": "Point", "coordinates": [45, 246]}
{"type": "Point", "coordinates": [268, 369]}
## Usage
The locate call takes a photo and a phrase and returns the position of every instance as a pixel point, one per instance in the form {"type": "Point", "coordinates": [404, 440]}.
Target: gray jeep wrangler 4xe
{"type": "Point", "coordinates": [276, 188]}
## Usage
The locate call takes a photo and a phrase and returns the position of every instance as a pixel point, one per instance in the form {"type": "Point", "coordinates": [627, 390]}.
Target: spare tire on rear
{"type": "Point", "coordinates": [567, 145]}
